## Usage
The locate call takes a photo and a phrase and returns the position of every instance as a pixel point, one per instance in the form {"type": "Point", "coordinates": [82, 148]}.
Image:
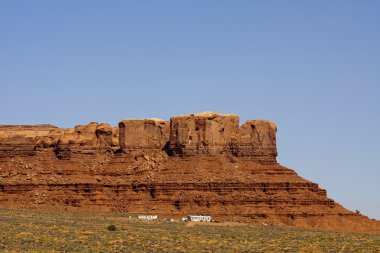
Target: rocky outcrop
{"type": "Point", "coordinates": [189, 135]}
{"type": "Point", "coordinates": [203, 133]}
{"type": "Point", "coordinates": [89, 139]}
{"type": "Point", "coordinates": [115, 138]}
{"type": "Point", "coordinates": [20, 140]}
{"type": "Point", "coordinates": [256, 140]}
{"type": "Point", "coordinates": [149, 134]}
{"type": "Point", "coordinates": [199, 164]}
{"type": "Point", "coordinates": [214, 134]}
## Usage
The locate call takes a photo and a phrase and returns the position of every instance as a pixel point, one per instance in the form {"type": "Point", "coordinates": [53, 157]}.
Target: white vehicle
{"type": "Point", "coordinates": [147, 217]}
{"type": "Point", "coordinates": [199, 218]}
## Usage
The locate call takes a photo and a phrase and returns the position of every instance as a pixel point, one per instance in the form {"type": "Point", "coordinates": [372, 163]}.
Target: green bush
{"type": "Point", "coordinates": [111, 228]}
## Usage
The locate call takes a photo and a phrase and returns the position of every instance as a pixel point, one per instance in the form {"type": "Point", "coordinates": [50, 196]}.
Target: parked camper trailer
{"type": "Point", "coordinates": [199, 218]}
{"type": "Point", "coordinates": [147, 217]}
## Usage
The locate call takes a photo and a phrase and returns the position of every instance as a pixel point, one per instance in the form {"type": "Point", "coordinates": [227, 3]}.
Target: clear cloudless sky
{"type": "Point", "coordinates": [313, 67]}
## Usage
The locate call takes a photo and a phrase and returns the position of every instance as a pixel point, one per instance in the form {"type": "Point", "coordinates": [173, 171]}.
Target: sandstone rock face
{"type": "Point", "coordinates": [115, 137]}
{"type": "Point", "coordinates": [151, 134]}
{"type": "Point", "coordinates": [213, 134]}
{"type": "Point", "coordinates": [256, 140]}
{"type": "Point", "coordinates": [214, 167]}
{"type": "Point", "coordinates": [20, 140]}
{"type": "Point", "coordinates": [88, 139]}
{"type": "Point", "coordinates": [204, 133]}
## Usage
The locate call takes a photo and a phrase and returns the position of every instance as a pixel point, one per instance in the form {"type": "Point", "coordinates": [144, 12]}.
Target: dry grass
{"type": "Point", "coordinates": [31, 231]}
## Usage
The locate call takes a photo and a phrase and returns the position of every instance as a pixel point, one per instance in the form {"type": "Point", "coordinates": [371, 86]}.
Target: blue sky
{"type": "Point", "coordinates": [313, 67]}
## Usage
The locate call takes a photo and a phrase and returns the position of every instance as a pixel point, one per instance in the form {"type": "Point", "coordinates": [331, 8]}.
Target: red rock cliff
{"type": "Point", "coordinates": [143, 134]}
{"type": "Point", "coordinates": [199, 164]}
{"type": "Point", "coordinates": [214, 134]}
{"type": "Point", "coordinates": [204, 133]}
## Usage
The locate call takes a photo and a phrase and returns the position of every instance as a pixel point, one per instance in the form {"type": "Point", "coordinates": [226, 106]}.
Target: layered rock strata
{"type": "Point", "coordinates": [20, 140]}
{"type": "Point", "coordinates": [196, 164]}
{"type": "Point", "coordinates": [256, 140]}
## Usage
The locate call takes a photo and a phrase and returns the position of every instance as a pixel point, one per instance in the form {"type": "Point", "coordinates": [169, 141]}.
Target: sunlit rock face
{"type": "Point", "coordinates": [143, 134]}
{"type": "Point", "coordinates": [212, 134]}
{"type": "Point", "coordinates": [256, 139]}
{"type": "Point", "coordinates": [201, 163]}
{"type": "Point", "coordinates": [203, 133]}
